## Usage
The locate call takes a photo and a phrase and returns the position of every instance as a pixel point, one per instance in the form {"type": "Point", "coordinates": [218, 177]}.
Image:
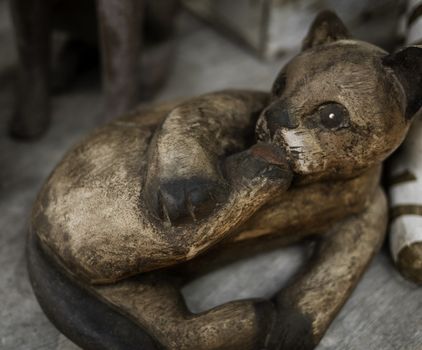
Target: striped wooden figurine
{"type": "Point", "coordinates": [406, 179]}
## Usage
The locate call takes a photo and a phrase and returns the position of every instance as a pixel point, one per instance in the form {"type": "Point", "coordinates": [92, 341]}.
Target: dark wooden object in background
{"type": "Point", "coordinates": [127, 28]}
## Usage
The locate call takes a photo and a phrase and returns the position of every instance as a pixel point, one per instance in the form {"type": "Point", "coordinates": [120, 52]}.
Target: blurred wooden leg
{"type": "Point", "coordinates": [120, 26]}
{"type": "Point", "coordinates": [31, 20]}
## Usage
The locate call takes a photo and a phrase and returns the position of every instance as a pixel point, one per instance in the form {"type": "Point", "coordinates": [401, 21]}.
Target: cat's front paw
{"type": "Point", "coordinates": [185, 200]}
{"type": "Point", "coordinates": [260, 161]}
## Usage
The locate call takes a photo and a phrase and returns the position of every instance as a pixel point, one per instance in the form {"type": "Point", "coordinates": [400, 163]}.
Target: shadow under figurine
{"type": "Point", "coordinates": [134, 38]}
{"type": "Point", "coordinates": [147, 196]}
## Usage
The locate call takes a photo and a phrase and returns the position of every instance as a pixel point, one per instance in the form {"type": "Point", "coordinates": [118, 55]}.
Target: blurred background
{"type": "Point", "coordinates": [188, 48]}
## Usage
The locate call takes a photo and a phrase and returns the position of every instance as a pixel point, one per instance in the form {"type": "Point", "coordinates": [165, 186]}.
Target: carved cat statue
{"type": "Point", "coordinates": [145, 201]}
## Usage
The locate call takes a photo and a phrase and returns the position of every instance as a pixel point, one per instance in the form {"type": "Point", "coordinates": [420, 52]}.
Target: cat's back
{"type": "Point", "coordinates": [91, 200]}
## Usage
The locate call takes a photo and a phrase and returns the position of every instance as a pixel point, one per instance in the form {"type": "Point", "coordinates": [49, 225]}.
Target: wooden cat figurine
{"type": "Point", "coordinates": [170, 188]}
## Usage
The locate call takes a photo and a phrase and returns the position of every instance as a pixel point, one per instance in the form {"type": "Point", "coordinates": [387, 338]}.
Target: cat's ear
{"type": "Point", "coordinates": [326, 28]}
{"type": "Point", "coordinates": [407, 66]}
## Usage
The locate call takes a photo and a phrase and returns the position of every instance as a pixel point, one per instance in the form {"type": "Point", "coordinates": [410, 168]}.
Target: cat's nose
{"type": "Point", "coordinates": [277, 116]}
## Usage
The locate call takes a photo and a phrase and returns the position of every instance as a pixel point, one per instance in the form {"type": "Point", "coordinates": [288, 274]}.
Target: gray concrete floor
{"type": "Point", "coordinates": [384, 312]}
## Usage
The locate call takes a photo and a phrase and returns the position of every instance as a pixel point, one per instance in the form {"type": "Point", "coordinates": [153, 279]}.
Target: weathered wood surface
{"type": "Point", "coordinates": [385, 311]}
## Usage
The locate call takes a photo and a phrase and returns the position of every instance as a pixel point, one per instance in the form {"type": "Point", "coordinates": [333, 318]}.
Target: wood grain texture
{"type": "Point", "coordinates": [383, 313]}
{"type": "Point", "coordinates": [110, 211]}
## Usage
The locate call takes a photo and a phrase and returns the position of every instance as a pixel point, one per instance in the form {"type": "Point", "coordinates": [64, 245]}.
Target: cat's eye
{"type": "Point", "coordinates": [333, 116]}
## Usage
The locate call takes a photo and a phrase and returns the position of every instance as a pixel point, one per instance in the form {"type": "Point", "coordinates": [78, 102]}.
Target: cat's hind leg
{"type": "Point", "coordinates": [308, 306]}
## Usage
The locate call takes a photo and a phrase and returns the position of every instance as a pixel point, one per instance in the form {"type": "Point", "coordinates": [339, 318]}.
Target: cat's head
{"type": "Point", "coordinates": [341, 105]}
